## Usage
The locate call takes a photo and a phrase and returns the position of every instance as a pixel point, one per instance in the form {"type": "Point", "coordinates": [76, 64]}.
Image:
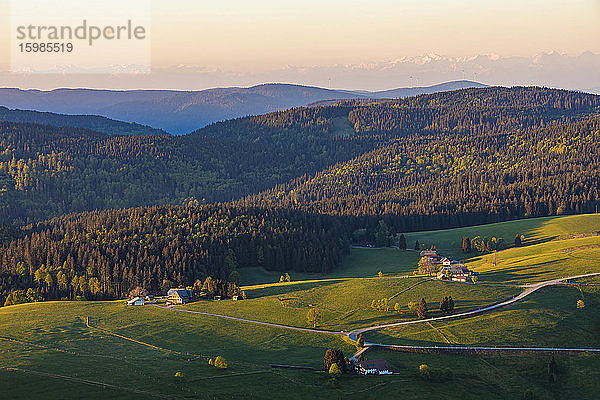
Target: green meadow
{"type": "Point", "coordinates": [134, 352]}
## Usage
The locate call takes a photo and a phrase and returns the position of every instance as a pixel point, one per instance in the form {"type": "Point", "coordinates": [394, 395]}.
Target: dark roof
{"type": "Point", "coordinates": [379, 364]}
{"type": "Point", "coordinates": [183, 293]}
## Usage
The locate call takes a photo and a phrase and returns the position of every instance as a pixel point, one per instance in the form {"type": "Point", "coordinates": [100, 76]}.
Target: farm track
{"type": "Point", "coordinates": [353, 336]}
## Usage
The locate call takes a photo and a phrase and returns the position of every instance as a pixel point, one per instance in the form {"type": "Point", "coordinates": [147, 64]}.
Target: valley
{"type": "Point", "coordinates": [62, 345]}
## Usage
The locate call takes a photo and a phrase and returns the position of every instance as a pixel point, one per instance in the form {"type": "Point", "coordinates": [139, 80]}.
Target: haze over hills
{"type": "Point", "coordinates": [180, 112]}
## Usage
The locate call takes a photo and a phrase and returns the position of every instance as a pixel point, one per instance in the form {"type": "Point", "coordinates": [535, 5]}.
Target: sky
{"type": "Point", "coordinates": [268, 33]}
{"type": "Point", "coordinates": [241, 42]}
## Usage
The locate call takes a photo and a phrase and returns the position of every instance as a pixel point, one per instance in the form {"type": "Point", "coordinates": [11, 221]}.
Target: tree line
{"type": "Point", "coordinates": [104, 255]}
{"type": "Point", "coordinates": [47, 171]}
{"type": "Point", "coordinates": [435, 181]}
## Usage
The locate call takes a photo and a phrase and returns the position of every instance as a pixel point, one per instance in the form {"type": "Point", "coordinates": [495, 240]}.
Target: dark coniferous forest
{"type": "Point", "coordinates": [292, 186]}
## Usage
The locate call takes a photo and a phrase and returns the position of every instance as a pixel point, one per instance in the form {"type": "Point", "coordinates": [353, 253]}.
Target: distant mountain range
{"type": "Point", "coordinates": [180, 112]}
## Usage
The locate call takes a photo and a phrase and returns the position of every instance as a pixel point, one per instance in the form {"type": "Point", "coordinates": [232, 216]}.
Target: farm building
{"type": "Point", "coordinates": [374, 367]}
{"type": "Point", "coordinates": [136, 301]}
{"type": "Point", "coordinates": [179, 296]}
{"type": "Point", "coordinates": [447, 262]}
{"type": "Point", "coordinates": [429, 253]}
{"type": "Point", "coordinates": [456, 272]}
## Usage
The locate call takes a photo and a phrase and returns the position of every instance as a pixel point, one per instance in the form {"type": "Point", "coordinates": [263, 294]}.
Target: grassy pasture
{"type": "Point", "coordinates": [535, 230]}
{"type": "Point", "coordinates": [547, 318]}
{"type": "Point", "coordinates": [346, 305]}
{"type": "Point", "coordinates": [53, 338]}
{"type": "Point", "coordinates": [540, 262]}
{"type": "Point", "coordinates": [358, 263]}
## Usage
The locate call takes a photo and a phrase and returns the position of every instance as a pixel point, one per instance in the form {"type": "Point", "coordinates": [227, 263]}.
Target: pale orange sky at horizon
{"type": "Point", "coordinates": [238, 35]}
{"type": "Point", "coordinates": [342, 43]}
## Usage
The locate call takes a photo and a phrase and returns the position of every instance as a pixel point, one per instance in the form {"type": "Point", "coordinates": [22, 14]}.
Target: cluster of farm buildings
{"type": "Point", "coordinates": [174, 297]}
{"type": "Point", "coordinates": [446, 268]}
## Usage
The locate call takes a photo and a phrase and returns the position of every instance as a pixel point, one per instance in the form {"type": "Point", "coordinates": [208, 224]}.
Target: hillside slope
{"type": "Point", "coordinates": [180, 112]}
{"type": "Point", "coordinates": [93, 122]}
{"type": "Point", "coordinates": [47, 171]}
{"type": "Point", "coordinates": [443, 180]}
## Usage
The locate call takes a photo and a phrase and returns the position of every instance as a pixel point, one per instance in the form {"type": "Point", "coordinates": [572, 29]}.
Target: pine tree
{"type": "Point", "coordinates": [450, 304]}
{"type": "Point", "coordinates": [422, 309]}
{"type": "Point", "coordinates": [402, 242]}
{"type": "Point", "coordinates": [466, 244]}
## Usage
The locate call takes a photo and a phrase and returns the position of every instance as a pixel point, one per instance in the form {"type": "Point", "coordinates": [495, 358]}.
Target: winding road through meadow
{"type": "Point", "coordinates": [354, 334]}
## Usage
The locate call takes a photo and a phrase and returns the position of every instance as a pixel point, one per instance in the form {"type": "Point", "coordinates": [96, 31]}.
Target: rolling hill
{"type": "Point", "coordinates": [93, 122]}
{"type": "Point", "coordinates": [94, 348]}
{"type": "Point", "coordinates": [180, 112]}
{"type": "Point", "coordinates": [47, 171]}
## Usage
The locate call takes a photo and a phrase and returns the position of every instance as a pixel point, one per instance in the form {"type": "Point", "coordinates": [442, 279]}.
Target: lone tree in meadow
{"type": "Point", "coordinates": [221, 362]}
{"type": "Point", "coordinates": [422, 309]}
{"type": "Point", "coordinates": [444, 305]}
{"type": "Point", "coordinates": [361, 341]}
{"type": "Point", "coordinates": [313, 317]}
{"type": "Point", "coordinates": [518, 241]}
{"type": "Point", "coordinates": [402, 242]}
{"type": "Point", "coordinates": [552, 370]}
{"type": "Point", "coordinates": [417, 245]}
{"type": "Point", "coordinates": [333, 356]}
{"type": "Point", "coordinates": [466, 245]}
{"type": "Point", "coordinates": [450, 304]}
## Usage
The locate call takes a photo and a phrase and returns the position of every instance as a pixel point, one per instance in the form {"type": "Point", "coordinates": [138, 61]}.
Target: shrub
{"type": "Point", "coordinates": [412, 306]}
{"type": "Point", "coordinates": [221, 362]}
{"type": "Point", "coordinates": [179, 375]}
{"type": "Point", "coordinates": [211, 362]}
{"type": "Point", "coordinates": [435, 374]}
{"type": "Point", "coordinates": [334, 370]}
{"type": "Point", "coordinates": [580, 304]}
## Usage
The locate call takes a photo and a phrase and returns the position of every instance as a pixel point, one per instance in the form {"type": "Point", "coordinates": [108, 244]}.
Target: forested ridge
{"type": "Point", "coordinates": [103, 255]}
{"type": "Point", "coordinates": [93, 122]}
{"type": "Point", "coordinates": [47, 171]}
{"type": "Point", "coordinates": [436, 181]}
{"type": "Point", "coordinates": [305, 180]}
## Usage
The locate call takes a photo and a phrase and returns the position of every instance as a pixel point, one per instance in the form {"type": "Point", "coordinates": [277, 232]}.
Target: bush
{"type": "Point", "coordinates": [412, 306]}
{"type": "Point", "coordinates": [211, 362]}
{"type": "Point", "coordinates": [178, 375]}
{"type": "Point", "coordinates": [334, 370]}
{"type": "Point", "coordinates": [435, 374]}
{"type": "Point", "coordinates": [221, 362]}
